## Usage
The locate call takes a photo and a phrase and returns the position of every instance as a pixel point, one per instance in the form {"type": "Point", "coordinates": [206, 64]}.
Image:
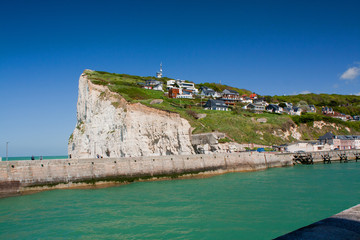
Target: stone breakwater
{"type": "Point", "coordinates": [17, 177]}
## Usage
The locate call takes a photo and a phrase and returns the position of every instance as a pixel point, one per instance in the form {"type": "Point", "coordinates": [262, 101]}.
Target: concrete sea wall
{"type": "Point", "coordinates": [17, 177]}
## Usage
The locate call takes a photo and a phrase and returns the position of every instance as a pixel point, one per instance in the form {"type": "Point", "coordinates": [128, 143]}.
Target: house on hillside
{"type": "Point", "coordinates": [152, 82]}
{"type": "Point", "coordinates": [185, 93]}
{"type": "Point", "coordinates": [260, 101]}
{"type": "Point", "coordinates": [288, 110]}
{"type": "Point", "coordinates": [158, 87]}
{"type": "Point", "coordinates": [253, 96]}
{"type": "Point", "coordinates": [254, 107]}
{"type": "Point", "coordinates": [208, 92]}
{"type": "Point", "coordinates": [312, 108]}
{"type": "Point", "coordinates": [188, 86]}
{"type": "Point", "coordinates": [213, 104]}
{"type": "Point", "coordinates": [182, 85]}
{"type": "Point", "coordinates": [171, 84]}
{"type": "Point", "coordinates": [327, 110]}
{"type": "Point", "coordinates": [230, 95]}
{"type": "Point", "coordinates": [289, 105]}
{"type": "Point", "coordinates": [246, 99]}
{"type": "Point", "coordinates": [337, 115]}
{"type": "Point", "coordinates": [274, 108]}
{"type": "Point", "coordinates": [297, 111]}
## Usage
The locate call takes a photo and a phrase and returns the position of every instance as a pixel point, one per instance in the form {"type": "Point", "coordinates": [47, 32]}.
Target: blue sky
{"type": "Point", "coordinates": [269, 47]}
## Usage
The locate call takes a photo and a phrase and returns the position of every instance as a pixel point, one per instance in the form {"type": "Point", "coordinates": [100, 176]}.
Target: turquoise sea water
{"type": "Point", "coordinates": [36, 158]}
{"type": "Point", "coordinates": [254, 205]}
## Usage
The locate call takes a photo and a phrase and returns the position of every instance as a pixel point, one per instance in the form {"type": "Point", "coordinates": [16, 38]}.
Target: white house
{"type": "Point", "coordinates": [158, 87]}
{"type": "Point", "coordinates": [296, 111]}
{"type": "Point", "coordinates": [170, 84]}
{"type": "Point", "coordinates": [246, 100]}
{"type": "Point", "coordinates": [274, 108]}
{"type": "Point", "coordinates": [255, 107]}
{"type": "Point", "coordinates": [181, 84]}
{"type": "Point", "coordinates": [185, 93]}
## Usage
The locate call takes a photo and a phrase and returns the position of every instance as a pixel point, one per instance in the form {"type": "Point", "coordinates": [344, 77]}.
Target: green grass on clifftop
{"type": "Point", "coordinates": [239, 125]}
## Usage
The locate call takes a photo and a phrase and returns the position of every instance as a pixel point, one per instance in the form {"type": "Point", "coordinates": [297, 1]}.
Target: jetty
{"type": "Point", "coordinates": [342, 156]}
{"type": "Point", "coordinates": [19, 177]}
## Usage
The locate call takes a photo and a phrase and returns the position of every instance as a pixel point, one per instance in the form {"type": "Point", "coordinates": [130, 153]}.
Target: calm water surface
{"type": "Point", "coordinates": [256, 205]}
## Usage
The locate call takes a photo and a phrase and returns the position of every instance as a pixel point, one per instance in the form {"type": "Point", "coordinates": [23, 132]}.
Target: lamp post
{"type": "Point", "coordinates": [7, 144]}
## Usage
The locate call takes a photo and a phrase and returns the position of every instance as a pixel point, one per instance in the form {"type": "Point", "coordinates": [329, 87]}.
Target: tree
{"type": "Point", "coordinates": [283, 105]}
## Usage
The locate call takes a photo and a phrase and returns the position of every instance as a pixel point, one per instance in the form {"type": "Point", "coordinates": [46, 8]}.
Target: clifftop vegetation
{"type": "Point", "coordinates": [220, 87]}
{"type": "Point", "coordinates": [238, 124]}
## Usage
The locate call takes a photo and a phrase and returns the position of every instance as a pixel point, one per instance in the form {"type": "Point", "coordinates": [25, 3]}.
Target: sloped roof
{"type": "Point", "coordinates": [255, 105]}
{"type": "Point", "coordinates": [326, 136]}
{"type": "Point", "coordinates": [215, 103]}
{"type": "Point", "coordinates": [347, 137]}
{"type": "Point", "coordinates": [273, 106]}
{"type": "Point", "coordinates": [208, 91]}
{"type": "Point", "coordinates": [228, 91]}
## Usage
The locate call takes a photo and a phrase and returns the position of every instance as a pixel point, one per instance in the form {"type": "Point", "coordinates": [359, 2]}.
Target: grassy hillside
{"type": "Point", "coordinates": [239, 125]}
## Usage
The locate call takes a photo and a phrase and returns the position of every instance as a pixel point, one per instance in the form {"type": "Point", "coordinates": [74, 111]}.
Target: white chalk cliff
{"type": "Point", "coordinates": [110, 126]}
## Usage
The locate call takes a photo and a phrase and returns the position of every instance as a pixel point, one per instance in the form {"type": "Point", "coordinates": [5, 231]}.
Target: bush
{"type": "Point", "coordinates": [224, 140]}
{"type": "Point", "coordinates": [307, 118]}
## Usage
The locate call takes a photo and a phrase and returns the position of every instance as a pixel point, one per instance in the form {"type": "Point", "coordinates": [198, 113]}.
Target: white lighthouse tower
{"type": "Point", "coordinates": [159, 74]}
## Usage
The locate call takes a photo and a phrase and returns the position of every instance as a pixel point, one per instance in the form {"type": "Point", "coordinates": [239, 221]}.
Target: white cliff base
{"type": "Point", "coordinates": [109, 126]}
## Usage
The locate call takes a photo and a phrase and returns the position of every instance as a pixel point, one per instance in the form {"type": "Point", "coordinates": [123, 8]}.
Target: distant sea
{"type": "Point", "coordinates": [36, 158]}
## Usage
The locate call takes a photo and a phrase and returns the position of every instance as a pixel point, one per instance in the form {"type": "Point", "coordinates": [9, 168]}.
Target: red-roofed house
{"type": "Point", "coordinates": [253, 96]}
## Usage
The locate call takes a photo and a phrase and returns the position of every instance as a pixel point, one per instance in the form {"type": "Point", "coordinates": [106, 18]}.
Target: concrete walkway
{"type": "Point", "coordinates": [344, 225]}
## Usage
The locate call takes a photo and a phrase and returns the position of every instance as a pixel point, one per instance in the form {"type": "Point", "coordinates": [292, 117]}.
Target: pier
{"type": "Point", "coordinates": [326, 157]}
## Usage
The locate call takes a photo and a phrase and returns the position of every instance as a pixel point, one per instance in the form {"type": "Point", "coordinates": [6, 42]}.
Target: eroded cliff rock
{"type": "Point", "coordinates": [109, 126]}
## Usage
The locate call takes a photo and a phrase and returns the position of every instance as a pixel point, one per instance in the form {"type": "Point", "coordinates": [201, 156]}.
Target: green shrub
{"type": "Point", "coordinates": [224, 140]}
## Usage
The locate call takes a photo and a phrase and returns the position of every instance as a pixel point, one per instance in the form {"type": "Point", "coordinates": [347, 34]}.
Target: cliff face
{"type": "Point", "coordinates": [111, 127]}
